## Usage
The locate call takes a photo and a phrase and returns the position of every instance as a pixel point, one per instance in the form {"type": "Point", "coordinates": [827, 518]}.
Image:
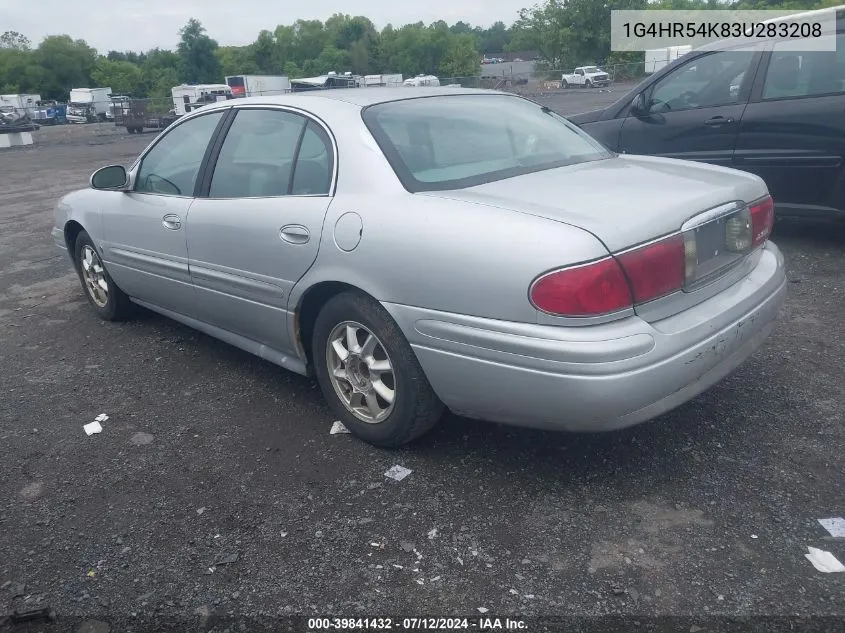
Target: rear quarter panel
{"type": "Point", "coordinates": [417, 250]}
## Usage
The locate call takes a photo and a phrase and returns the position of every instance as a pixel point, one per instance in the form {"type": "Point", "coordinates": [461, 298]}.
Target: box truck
{"type": "Point", "coordinates": [188, 97]}
{"type": "Point", "coordinates": [87, 105]}
{"type": "Point", "coordinates": [657, 58]}
{"type": "Point", "coordinates": [258, 85]}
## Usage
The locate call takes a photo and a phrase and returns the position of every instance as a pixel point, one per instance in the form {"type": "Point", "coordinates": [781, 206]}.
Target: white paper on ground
{"type": "Point", "coordinates": [338, 427]}
{"type": "Point", "coordinates": [397, 472]}
{"type": "Point", "coordinates": [824, 561]}
{"type": "Point", "coordinates": [836, 526]}
{"type": "Point", "coordinates": [102, 417]}
{"type": "Point", "coordinates": [92, 427]}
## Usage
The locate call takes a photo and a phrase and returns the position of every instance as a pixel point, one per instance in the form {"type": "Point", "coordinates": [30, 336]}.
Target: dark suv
{"type": "Point", "coordinates": [765, 108]}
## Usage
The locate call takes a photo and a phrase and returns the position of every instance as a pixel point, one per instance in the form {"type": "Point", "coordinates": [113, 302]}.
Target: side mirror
{"type": "Point", "coordinates": [638, 105]}
{"type": "Point", "coordinates": [109, 178]}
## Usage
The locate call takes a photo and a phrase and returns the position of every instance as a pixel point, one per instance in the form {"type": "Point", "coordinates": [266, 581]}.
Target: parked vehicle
{"type": "Point", "coordinates": [443, 270]}
{"type": "Point", "coordinates": [15, 120]}
{"type": "Point", "coordinates": [588, 76]}
{"type": "Point", "coordinates": [766, 108]}
{"type": "Point", "coordinates": [87, 105]}
{"type": "Point", "coordinates": [189, 97]}
{"type": "Point", "coordinates": [24, 103]}
{"type": "Point", "coordinates": [328, 81]}
{"type": "Point", "coordinates": [258, 85]}
{"type": "Point", "coordinates": [658, 58]}
{"type": "Point", "coordinates": [49, 112]}
{"type": "Point", "coordinates": [422, 80]}
{"type": "Point", "coordinates": [372, 81]}
{"type": "Point", "coordinates": [137, 114]}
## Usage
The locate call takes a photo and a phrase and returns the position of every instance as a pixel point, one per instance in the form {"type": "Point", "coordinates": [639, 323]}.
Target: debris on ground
{"type": "Point", "coordinates": [141, 439]}
{"type": "Point", "coordinates": [823, 561]}
{"type": "Point", "coordinates": [432, 534]}
{"type": "Point", "coordinates": [226, 559]}
{"type": "Point", "coordinates": [397, 473]}
{"type": "Point", "coordinates": [835, 526]}
{"type": "Point", "coordinates": [407, 546]}
{"type": "Point", "coordinates": [483, 609]}
{"type": "Point", "coordinates": [200, 510]}
{"type": "Point", "coordinates": [338, 427]}
{"type": "Point", "coordinates": [17, 617]}
{"type": "Point", "coordinates": [101, 418]}
{"type": "Point", "coordinates": [92, 427]}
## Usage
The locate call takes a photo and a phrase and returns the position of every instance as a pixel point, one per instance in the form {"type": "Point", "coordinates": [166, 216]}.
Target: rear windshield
{"type": "Point", "coordinates": [457, 141]}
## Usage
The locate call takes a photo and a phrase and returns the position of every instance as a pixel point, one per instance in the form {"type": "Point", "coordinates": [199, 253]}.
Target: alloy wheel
{"type": "Point", "coordinates": [361, 372]}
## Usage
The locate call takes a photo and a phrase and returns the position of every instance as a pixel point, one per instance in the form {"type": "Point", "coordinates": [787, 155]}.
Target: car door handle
{"type": "Point", "coordinates": [718, 120]}
{"type": "Point", "coordinates": [294, 234]}
{"type": "Point", "coordinates": [171, 221]}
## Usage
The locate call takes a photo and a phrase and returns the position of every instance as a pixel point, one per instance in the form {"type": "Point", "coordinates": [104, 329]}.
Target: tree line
{"type": "Point", "coordinates": [565, 33]}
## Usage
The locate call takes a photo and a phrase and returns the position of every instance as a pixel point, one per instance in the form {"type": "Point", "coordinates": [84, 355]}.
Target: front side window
{"type": "Point", "coordinates": [805, 74]}
{"type": "Point", "coordinates": [256, 159]}
{"type": "Point", "coordinates": [449, 142]}
{"type": "Point", "coordinates": [709, 81]}
{"type": "Point", "coordinates": [171, 167]}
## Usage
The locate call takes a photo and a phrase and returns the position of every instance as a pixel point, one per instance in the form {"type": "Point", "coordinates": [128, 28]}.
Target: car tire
{"type": "Point", "coordinates": [109, 302]}
{"type": "Point", "coordinates": [589, 84]}
{"type": "Point", "coordinates": [414, 408]}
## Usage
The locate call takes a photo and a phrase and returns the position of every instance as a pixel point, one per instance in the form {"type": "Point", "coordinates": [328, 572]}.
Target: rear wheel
{"type": "Point", "coordinates": [369, 374]}
{"type": "Point", "coordinates": [108, 301]}
{"type": "Point", "coordinates": [589, 84]}
{"type": "Point", "coordinates": [565, 84]}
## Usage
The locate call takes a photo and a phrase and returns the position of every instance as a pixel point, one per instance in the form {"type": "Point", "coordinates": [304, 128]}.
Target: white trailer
{"type": "Point", "coordinates": [23, 103]}
{"type": "Point", "coordinates": [188, 97]}
{"type": "Point", "coordinates": [657, 58]}
{"type": "Point", "coordinates": [422, 80]}
{"type": "Point", "coordinates": [258, 85]}
{"type": "Point", "coordinates": [369, 81]}
{"type": "Point", "coordinates": [87, 105]}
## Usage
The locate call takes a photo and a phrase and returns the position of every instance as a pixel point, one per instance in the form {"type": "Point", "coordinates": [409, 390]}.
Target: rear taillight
{"type": "Point", "coordinates": [616, 283]}
{"type": "Point", "coordinates": [656, 269]}
{"type": "Point", "coordinates": [583, 291]}
{"type": "Point", "coordinates": [762, 220]}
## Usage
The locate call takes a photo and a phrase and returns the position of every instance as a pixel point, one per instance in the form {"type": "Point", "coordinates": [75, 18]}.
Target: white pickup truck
{"type": "Point", "coordinates": [589, 76]}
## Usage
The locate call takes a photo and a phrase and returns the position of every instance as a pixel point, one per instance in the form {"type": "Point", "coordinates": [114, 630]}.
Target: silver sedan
{"type": "Point", "coordinates": [420, 249]}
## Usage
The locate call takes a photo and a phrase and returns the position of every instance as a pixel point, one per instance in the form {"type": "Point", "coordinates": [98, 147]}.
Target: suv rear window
{"type": "Point", "coordinates": [458, 141]}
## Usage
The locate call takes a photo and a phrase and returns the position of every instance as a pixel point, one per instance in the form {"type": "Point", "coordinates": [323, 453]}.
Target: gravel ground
{"type": "Point", "coordinates": [216, 491]}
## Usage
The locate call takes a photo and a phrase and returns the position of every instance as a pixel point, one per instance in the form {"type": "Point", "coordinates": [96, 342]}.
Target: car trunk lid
{"type": "Point", "coordinates": [629, 201]}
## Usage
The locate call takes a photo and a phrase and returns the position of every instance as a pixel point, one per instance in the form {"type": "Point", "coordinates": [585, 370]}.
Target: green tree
{"type": "Point", "coordinates": [14, 41]}
{"type": "Point", "coordinates": [461, 58]}
{"type": "Point", "coordinates": [68, 64]}
{"type": "Point", "coordinates": [124, 78]}
{"type": "Point", "coordinates": [197, 61]}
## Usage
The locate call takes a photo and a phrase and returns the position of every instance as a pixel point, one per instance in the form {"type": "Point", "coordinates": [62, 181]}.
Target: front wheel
{"type": "Point", "coordinates": [369, 374]}
{"type": "Point", "coordinates": [108, 301]}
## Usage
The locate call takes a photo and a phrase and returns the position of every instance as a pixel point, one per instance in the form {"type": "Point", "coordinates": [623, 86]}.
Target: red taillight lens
{"type": "Point", "coordinates": [590, 290]}
{"type": "Point", "coordinates": [762, 220]}
{"type": "Point", "coordinates": [656, 269]}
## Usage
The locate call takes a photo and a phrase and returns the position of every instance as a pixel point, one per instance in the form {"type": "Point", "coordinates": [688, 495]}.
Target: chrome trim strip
{"type": "Point", "coordinates": [712, 214]}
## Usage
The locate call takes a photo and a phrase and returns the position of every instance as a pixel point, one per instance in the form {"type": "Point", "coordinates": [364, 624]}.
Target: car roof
{"type": "Point", "coordinates": [361, 97]}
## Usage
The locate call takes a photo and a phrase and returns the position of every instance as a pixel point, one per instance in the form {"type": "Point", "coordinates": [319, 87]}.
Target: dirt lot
{"type": "Point", "coordinates": [216, 491]}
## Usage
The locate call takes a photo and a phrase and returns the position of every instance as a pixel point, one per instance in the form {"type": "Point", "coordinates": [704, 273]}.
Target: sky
{"type": "Point", "coordinates": [144, 24]}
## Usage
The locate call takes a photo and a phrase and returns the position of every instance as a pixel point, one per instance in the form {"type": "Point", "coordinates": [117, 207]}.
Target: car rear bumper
{"type": "Point", "coordinates": [594, 378]}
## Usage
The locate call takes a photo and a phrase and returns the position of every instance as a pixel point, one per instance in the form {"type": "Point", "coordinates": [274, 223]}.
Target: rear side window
{"type": "Point", "coordinates": [450, 142]}
{"type": "Point", "coordinates": [796, 74]}
{"type": "Point", "coordinates": [257, 156]}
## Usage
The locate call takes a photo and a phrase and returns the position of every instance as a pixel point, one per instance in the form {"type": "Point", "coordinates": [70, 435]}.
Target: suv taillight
{"type": "Point", "coordinates": [762, 220]}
